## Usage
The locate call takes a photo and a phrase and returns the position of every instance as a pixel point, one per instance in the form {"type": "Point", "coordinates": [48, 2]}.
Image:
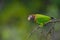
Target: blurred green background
{"type": "Point", "coordinates": [13, 17]}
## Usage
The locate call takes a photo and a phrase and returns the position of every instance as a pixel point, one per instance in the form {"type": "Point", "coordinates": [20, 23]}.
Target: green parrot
{"type": "Point", "coordinates": [41, 20]}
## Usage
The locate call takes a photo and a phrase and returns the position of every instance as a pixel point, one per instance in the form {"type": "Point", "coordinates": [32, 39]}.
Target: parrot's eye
{"type": "Point", "coordinates": [29, 18]}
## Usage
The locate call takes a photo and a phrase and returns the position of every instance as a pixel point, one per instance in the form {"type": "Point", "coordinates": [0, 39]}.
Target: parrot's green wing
{"type": "Point", "coordinates": [42, 19]}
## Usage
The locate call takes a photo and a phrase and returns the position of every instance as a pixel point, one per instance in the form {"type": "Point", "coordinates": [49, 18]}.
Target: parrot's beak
{"type": "Point", "coordinates": [29, 17]}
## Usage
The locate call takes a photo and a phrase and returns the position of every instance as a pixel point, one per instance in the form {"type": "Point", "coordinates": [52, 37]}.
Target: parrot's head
{"type": "Point", "coordinates": [31, 17]}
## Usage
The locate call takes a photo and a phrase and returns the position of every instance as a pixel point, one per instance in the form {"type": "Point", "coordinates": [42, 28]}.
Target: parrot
{"type": "Point", "coordinates": [41, 20]}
